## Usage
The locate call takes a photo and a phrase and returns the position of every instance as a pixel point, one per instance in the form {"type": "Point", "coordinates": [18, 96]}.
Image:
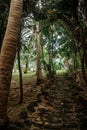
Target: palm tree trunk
{"type": "Point", "coordinates": [7, 56]}
{"type": "Point", "coordinates": [26, 64]}
{"type": "Point", "coordinates": [39, 74]}
{"type": "Point", "coordinates": [20, 77]}
{"type": "Point", "coordinates": [83, 67]}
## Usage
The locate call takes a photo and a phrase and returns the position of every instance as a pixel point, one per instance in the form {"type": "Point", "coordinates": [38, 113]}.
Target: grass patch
{"type": "Point", "coordinates": [28, 77]}
{"type": "Point", "coordinates": [61, 71]}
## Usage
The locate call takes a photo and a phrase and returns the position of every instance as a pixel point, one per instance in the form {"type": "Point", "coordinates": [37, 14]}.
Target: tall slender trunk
{"type": "Point", "coordinates": [44, 62]}
{"type": "Point", "coordinates": [75, 61]}
{"type": "Point", "coordinates": [26, 63]}
{"type": "Point", "coordinates": [20, 77]}
{"type": "Point", "coordinates": [83, 66]}
{"type": "Point", "coordinates": [8, 52]}
{"type": "Point", "coordinates": [38, 36]}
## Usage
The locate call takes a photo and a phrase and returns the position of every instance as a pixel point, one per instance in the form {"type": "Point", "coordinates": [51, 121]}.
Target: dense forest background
{"type": "Point", "coordinates": [41, 39]}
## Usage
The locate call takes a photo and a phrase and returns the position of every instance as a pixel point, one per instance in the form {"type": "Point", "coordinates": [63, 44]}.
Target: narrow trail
{"type": "Point", "coordinates": [59, 105]}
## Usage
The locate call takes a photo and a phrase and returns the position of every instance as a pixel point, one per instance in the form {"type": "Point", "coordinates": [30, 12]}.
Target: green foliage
{"type": "Point", "coordinates": [56, 42]}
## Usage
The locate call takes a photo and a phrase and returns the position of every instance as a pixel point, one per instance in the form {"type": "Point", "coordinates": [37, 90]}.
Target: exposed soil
{"type": "Point", "coordinates": [55, 104]}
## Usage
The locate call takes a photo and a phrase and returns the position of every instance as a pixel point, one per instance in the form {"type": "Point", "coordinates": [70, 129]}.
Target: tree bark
{"type": "Point", "coordinates": [26, 64]}
{"type": "Point", "coordinates": [38, 36]}
{"type": "Point", "coordinates": [20, 77]}
{"type": "Point", "coordinates": [83, 66]}
{"type": "Point", "coordinates": [7, 57]}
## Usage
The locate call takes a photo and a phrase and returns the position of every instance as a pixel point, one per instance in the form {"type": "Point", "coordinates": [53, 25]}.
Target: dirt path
{"type": "Point", "coordinates": [55, 105]}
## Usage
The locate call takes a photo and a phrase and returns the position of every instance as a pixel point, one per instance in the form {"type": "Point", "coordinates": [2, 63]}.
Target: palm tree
{"type": "Point", "coordinates": [20, 74]}
{"type": "Point", "coordinates": [8, 52]}
{"type": "Point", "coordinates": [38, 36]}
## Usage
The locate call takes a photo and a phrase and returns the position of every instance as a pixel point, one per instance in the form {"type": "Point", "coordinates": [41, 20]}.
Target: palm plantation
{"type": "Point", "coordinates": [45, 42]}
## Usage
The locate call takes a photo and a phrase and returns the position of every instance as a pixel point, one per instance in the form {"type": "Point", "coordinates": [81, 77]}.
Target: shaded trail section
{"type": "Point", "coordinates": [59, 104]}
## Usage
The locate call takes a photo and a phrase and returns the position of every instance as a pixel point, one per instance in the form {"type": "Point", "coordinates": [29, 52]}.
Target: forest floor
{"type": "Point", "coordinates": [55, 104]}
